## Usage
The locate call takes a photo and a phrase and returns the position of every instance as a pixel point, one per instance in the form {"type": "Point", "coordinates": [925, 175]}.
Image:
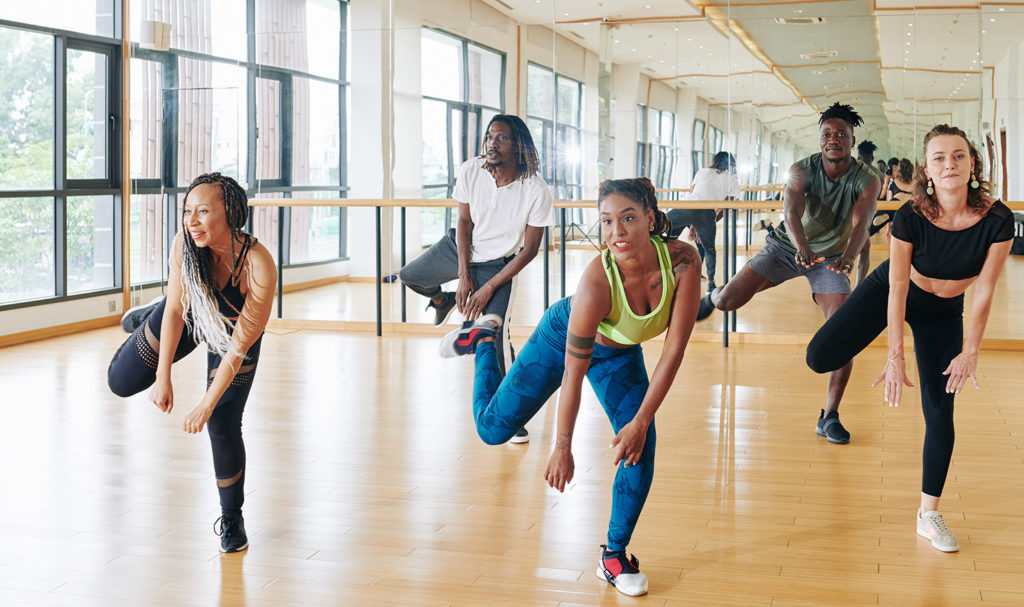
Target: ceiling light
{"type": "Point", "coordinates": [992, 20]}
{"type": "Point", "coordinates": [618, 41]}
{"type": "Point", "coordinates": [634, 50]}
{"type": "Point", "coordinates": [819, 54]}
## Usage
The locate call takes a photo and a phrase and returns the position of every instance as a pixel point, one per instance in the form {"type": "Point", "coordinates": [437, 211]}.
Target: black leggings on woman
{"type": "Point", "coordinates": [937, 325]}
{"type": "Point", "coordinates": [133, 369]}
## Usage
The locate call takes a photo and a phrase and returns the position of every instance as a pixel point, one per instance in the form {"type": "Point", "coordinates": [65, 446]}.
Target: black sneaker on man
{"type": "Point", "coordinates": [134, 317]}
{"type": "Point", "coordinates": [443, 309]}
{"type": "Point", "coordinates": [231, 532]}
{"type": "Point", "coordinates": [705, 308]}
{"type": "Point", "coordinates": [831, 428]}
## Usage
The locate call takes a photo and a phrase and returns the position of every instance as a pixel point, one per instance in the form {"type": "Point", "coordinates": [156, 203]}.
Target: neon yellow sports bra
{"type": "Point", "coordinates": [622, 325]}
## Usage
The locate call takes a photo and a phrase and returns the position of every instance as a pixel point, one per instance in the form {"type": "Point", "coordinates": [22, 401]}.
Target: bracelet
{"type": "Point", "coordinates": [897, 360]}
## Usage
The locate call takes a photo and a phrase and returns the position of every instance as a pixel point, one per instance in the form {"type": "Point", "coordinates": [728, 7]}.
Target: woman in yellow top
{"type": "Point", "coordinates": [634, 291]}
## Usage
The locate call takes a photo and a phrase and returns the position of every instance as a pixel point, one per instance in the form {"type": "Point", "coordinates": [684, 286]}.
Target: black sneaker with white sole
{"type": "Point", "coordinates": [232, 532]}
{"type": "Point", "coordinates": [443, 309]}
{"type": "Point", "coordinates": [521, 436]}
{"type": "Point", "coordinates": [831, 428]}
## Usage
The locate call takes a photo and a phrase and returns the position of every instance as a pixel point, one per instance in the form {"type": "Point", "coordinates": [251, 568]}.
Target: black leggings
{"type": "Point", "coordinates": [937, 325]}
{"type": "Point", "coordinates": [133, 369]}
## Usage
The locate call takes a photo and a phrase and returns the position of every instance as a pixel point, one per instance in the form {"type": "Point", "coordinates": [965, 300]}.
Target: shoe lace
{"type": "Point", "coordinates": [224, 525]}
{"type": "Point", "coordinates": [939, 524]}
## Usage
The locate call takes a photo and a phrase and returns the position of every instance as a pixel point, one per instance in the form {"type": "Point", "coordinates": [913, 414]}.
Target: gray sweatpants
{"type": "Point", "coordinates": [440, 264]}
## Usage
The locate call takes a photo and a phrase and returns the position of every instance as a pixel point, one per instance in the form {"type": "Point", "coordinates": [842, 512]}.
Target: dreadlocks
{"type": "Point", "coordinates": [527, 160]}
{"type": "Point", "coordinates": [641, 191]}
{"type": "Point", "coordinates": [845, 113]}
{"type": "Point", "coordinates": [866, 149]}
{"type": "Point", "coordinates": [198, 289]}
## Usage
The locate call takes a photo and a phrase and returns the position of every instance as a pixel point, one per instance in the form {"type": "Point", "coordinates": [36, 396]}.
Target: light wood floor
{"type": "Point", "coordinates": [367, 485]}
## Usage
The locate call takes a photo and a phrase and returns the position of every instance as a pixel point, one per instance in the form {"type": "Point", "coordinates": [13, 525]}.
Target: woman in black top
{"type": "Point", "coordinates": [950, 236]}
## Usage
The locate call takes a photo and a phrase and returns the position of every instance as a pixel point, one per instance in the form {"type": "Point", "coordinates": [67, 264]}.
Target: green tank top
{"type": "Point", "coordinates": [828, 210]}
{"type": "Point", "coordinates": [621, 325]}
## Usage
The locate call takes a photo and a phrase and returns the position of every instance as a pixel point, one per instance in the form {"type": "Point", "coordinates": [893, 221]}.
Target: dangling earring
{"type": "Point", "coordinates": [931, 188]}
{"type": "Point", "coordinates": [974, 182]}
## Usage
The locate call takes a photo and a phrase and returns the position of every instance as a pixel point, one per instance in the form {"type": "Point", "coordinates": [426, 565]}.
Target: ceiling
{"type": "Point", "coordinates": [903, 69]}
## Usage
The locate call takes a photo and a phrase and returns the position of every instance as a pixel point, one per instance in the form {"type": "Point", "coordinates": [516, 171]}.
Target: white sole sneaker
{"type": "Point", "coordinates": [521, 436]}
{"type": "Point", "coordinates": [629, 584]}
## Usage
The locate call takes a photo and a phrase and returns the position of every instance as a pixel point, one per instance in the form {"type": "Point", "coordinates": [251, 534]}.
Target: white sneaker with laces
{"type": "Point", "coordinates": [931, 526]}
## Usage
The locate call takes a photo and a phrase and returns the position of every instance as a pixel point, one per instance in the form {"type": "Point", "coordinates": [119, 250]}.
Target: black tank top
{"type": "Point", "coordinates": [230, 299]}
{"type": "Point", "coordinates": [951, 254]}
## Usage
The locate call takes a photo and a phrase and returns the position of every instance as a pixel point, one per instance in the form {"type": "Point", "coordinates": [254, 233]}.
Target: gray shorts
{"type": "Point", "coordinates": [778, 264]}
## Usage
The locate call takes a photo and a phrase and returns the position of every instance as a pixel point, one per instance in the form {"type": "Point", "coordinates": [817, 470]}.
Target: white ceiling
{"type": "Point", "coordinates": [903, 70]}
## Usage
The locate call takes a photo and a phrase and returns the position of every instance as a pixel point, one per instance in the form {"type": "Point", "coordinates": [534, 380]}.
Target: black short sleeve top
{"type": "Point", "coordinates": [951, 254]}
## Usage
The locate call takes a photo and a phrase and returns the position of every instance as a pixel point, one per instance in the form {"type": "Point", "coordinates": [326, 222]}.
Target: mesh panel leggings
{"type": "Point", "coordinates": [937, 325]}
{"type": "Point", "coordinates": [133, 369]}
{"type": "Point", "coordinates": [619, 378]}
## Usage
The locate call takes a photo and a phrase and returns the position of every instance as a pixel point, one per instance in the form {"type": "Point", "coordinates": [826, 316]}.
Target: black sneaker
{"type": "Point", "coordinates": [231, 532]}
{"type": "Point", "coordinates": [711, 286]}
{"type": "Point", "coordinates": [705, 308]}
{"type": "Point", "coordinates": [134, 317]}
{"type": "Point", "coordinates": [621, 572]}
{"type": "Point", "coordinates": [521, 436]}
{"type": "Point", "coordinates": [831, 428]}
{"type": "Point", "coordinates": [443, 310]}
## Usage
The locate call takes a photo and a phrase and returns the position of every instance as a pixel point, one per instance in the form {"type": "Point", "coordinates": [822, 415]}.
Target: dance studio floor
{"type": "Point", "coordinates": [366, 485]}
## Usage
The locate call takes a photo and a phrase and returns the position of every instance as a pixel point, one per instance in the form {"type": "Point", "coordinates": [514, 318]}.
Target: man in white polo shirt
{"type": "Point", "coordinates": [504, 206]}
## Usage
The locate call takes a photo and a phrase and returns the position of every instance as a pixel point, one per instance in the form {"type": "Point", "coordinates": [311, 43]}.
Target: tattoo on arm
{"type": "Point", "coordinates": [580, 355]}
{"type": "Point", "coordinates": [564, 440]}
{"type": "Point", "coordinates": [582, 343]}
{"type": "Point", "coordinates": [688, 257]}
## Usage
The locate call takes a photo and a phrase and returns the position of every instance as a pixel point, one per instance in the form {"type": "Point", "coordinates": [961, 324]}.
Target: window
{"type": "Point", "coordinates": [554, 115]}
{"type": "Point", "coordinates": [656, 145]}
{"type": "Point", "coordinates": [698, 145]}
{"type": "Point", "coordinates": [59, 155]}
{"type": "Point", "coordinates": [271, 114]}
{"type": "Point", "coordinates": [463, 87]}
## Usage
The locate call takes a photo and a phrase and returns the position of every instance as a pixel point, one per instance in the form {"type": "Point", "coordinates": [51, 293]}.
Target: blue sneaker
{"type": "Point", "coordinates": [463, 340]}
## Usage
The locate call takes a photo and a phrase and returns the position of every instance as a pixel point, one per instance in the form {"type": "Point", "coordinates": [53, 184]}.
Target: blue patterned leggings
{"type": "Point", "coordinates": [619, 378]}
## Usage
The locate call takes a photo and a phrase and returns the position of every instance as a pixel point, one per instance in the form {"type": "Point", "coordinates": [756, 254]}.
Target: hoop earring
{"type": "Point", "coordinates": [931, 188]}
{"type": "Point", "coordinates": [974, 182]}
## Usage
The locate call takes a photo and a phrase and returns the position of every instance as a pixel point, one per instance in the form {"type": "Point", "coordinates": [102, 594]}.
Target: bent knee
{"type": "Point", "coordinates": [122, 386]}
{"type": "Point", "coordinates": [490, 437]}
{"type": "Point", "coordinates": [819, 360]}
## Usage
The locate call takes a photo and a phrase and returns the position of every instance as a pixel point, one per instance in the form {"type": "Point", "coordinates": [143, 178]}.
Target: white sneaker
{"type": "Point", "coordinates": [622, 573]}
{"type": "Point", "coordinates": [521, 436]}
{"type": "Point", "coordinates": [930, 525]}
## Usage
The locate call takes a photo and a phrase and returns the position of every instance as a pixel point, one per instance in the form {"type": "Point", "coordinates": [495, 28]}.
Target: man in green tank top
{"type": "Point", "coordinates": [828, 205]}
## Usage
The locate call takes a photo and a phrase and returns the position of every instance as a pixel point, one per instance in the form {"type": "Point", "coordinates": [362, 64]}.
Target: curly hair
{"type": "Point", "coordinates": [843, 112]}
{"type": "Point", "coordinates": [926, 204]}
{"type": "Point", "coordinates": [866, 148]}
{"type": "Point", "coordinates": [905, 170]}
{"type": "Point", "coordinates": [198, 288]}
{"type": "Point", "coordinates": [641, 191]}
{"type": "Point", "coordinates": [527, 159]}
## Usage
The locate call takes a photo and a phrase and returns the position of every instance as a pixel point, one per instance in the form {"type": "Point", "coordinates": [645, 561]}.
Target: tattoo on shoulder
{"type": "Point", "coordinates": [687, 257]}
{"type": "Point", "coordinates": [582, 343]}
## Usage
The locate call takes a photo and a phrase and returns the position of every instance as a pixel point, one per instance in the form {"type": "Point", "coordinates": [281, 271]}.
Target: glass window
{"type": "Point", "coordinates": [540, 92]}
{"type": "Point", "coordinates": [90, 243]}
{"type": "Point", "coordinates": [147, 119]}
{"type": "Point", "coordinates": [264, 222]}
{"type": "Point", "coordinates": [87, 115]}
{"type": "Point", "coordinates": [211, 120]}
{"type": "Point", "coordinates": [485, 76]}
{"type": "Point", "coordinates": [146, 238]}
{"type": "Point", "coordinates": [214, 27]}
{"type": "Point", "coordinates": [315, 231]}
{"type": "Point", "coordinates": [268, 128]}
{"type": "Point", "coordinates": [299, 35]}
{"type": "Point", "coordinates": [441, 65]}
{"type": "Point", "coordinates": [26, 249]}
{"type": "Point", "coordinates": [26, 110]}
{"type": "Point", "coordinates": [435, 143]}
{"type": "Point", "coordinates": [568, 101]}
{"type": "Point", "coordinates": [316, 158]}
{"type": "Point", "coordinates": [88, 17]}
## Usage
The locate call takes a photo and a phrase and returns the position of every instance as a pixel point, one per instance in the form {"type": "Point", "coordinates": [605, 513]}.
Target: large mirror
{"type": "Point", "coordinates": [608, 89]}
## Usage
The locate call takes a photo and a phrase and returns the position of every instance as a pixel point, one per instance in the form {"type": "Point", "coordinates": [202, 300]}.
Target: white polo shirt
{"type": "Point", "coordinates": [500, 215]}
{"type": "Point", "coordinates": [711, 184]}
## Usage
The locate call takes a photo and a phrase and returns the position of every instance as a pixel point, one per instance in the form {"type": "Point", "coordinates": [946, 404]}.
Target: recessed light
{"type": "Point", "coordinates": [618, 41]}
{"type": "Point", "coordinates": [634, 50]}
{"type": "Point", "coordinates": [992, 20]}
{"type": "Point", "coordinates": [565, 14]}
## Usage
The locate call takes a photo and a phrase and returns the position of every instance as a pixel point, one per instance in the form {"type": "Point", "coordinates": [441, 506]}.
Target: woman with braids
{"type": "Point", "coordinates": [641, 285]}
{"type": "Point", "coordinates": [950, 236]}
{"type": "Point", "coordinates": [220, 289]}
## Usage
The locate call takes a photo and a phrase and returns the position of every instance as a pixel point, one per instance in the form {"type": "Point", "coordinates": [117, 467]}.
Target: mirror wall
{"type": "Point", "coordinates": [608, 89]}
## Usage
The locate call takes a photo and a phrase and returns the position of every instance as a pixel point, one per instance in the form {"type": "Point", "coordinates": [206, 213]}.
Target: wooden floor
{"type": "Point", "coordinates": [367, 485]}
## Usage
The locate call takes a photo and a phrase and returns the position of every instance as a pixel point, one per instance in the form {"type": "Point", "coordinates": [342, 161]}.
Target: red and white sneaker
{"type": "Point", "coordinates": [463, 340]}
{"type": "Point", "coordinates": [621, 572]}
